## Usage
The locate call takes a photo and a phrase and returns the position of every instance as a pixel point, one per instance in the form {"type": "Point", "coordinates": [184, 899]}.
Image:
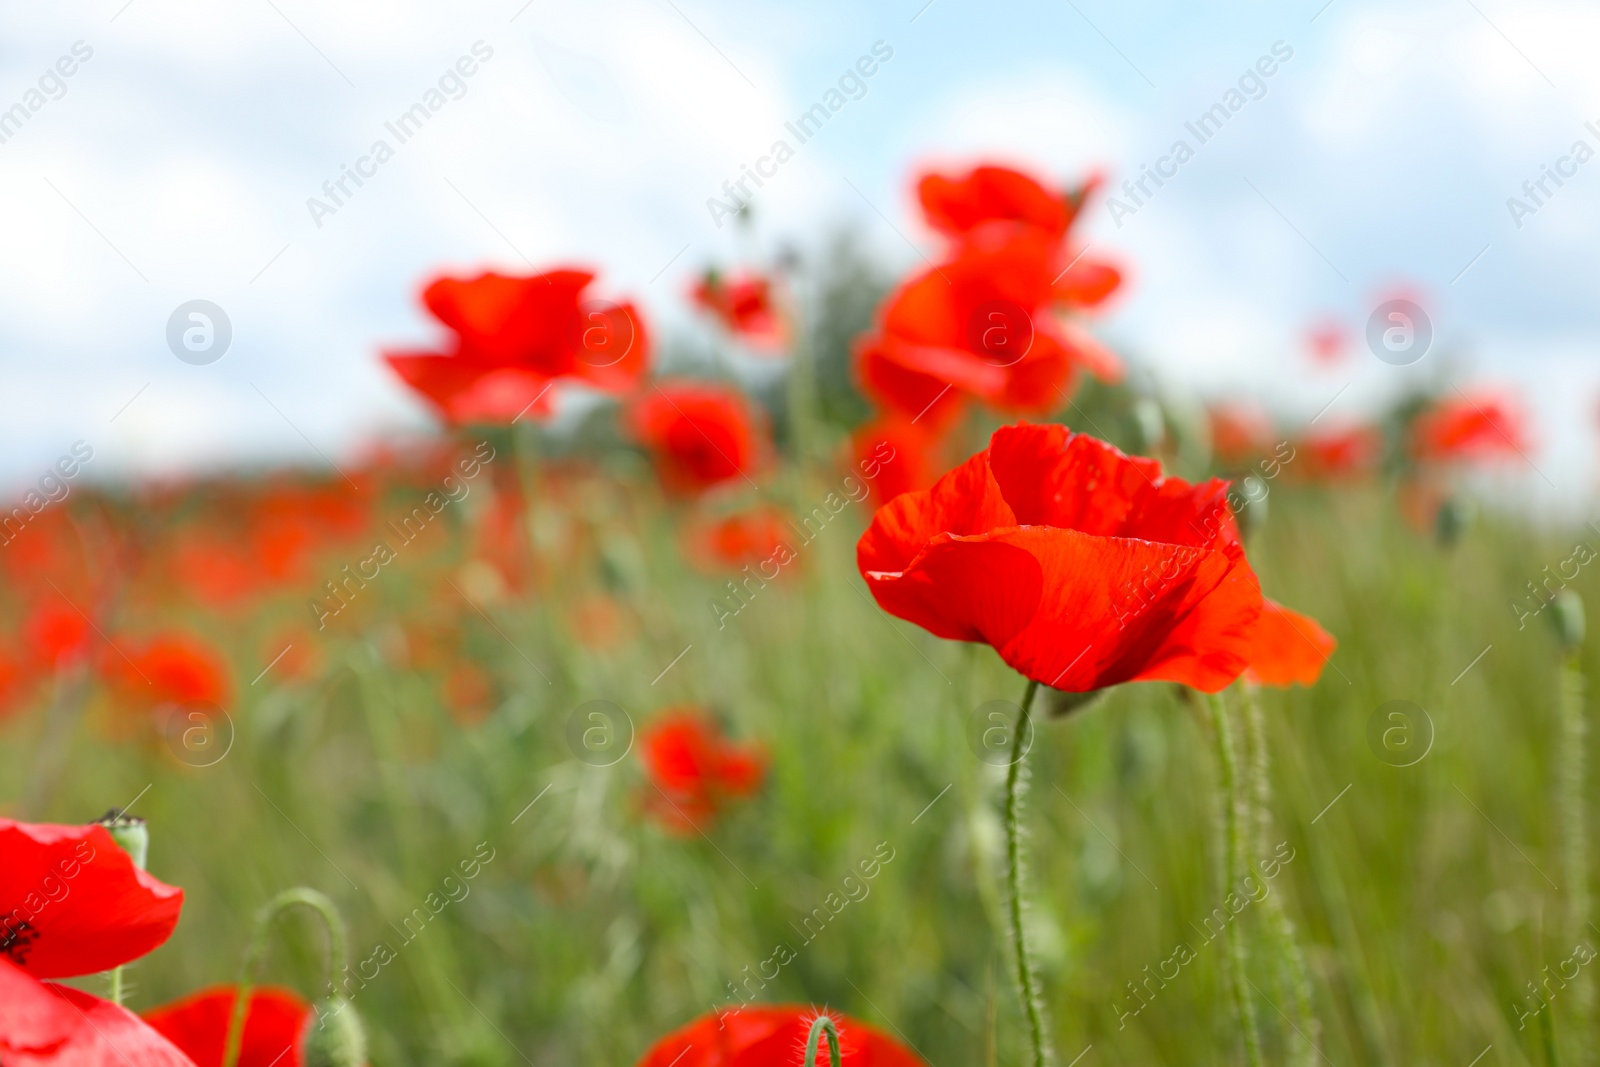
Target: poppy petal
{"type": "Point", "coordinates": [198, 1025]}
{"type": "Point", "coordinates": [1287, 648]}
{"type": "Point", "coordinates": [46, 1025]}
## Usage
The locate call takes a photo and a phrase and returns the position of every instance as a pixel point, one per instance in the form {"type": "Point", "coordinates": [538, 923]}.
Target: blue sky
{"type": "Point", "coordinates": [179, 160]}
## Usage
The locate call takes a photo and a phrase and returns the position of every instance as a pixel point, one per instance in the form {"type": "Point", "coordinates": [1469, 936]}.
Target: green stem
{"type": "Point", "coordinates": [115, 995]}
{"type": "Point", "coordinates": [1574, 849]}
{"type": "Point", "coordinates": [1016, 785]}
{"type": "Point", "coordinates": [1293, 962]}
{"type": "Point", "coordinates": [338, 956]}
{"type": "Point", "coordinates": [1234, 798]}
{"type": "Point", "coordinates": [822, 1024]}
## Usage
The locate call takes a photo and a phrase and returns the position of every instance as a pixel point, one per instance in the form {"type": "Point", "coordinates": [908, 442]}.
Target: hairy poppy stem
{"type": "Point", "coordinates": [1291, 960]}
{"type": "Point", "coordinates": [822, 1024]}
{"type": "Point", "coordinates": [1574, 848]}
{"type": "Point", "coordinates": [338, 956]}
{"type": "Point", "coordinates": [1234, 800]}
{"type": "Point", "coordinates": [1016, 785]}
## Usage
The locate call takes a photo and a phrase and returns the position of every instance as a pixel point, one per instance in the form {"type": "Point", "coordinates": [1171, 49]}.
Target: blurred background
{"type": "Point", "coordinates": [177, 162]}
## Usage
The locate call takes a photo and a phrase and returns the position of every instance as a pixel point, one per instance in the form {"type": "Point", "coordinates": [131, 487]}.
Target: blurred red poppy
{"type": "Point", "coordinates": [773, 1036]}
{"type": "Point", "coordinates": [1479, 426]}
{"type": "Point", "coordinates": [988, 193]}
{"type": "Point", "coordinates": [1240, 432]}
{"type": "Point", "coordinates": [1080, 566]}
{"type": "Point", "coordinates": [895, 455]}
{"type": "Point", "coordinates": [170, 668]}
{"type": "Point", "coordinates": [979, 325]}
{"type": "Point", "coordinates": [701, 433]}
{"type": "Point", "coordinates": [1287, 648]}
{"type": "Point", "coordinates": [55, 633]}
{"type": "Point", "coordinates": [47, 1025]}
{"type": "Point", "coordinates": [515, 336]}
{"type": "Point", "coordinates": [695, 771]}
{"type": "Point", "coordinates": [746, 537]}
{"type": "Point", "coordinates": [1334, 454]}
{"type": "Point", "coordinates": [1327, 341]}
{"type": "Point", "coordinates": [198, 1024]}
{"type": "Point", "coordinates": [743, 304]}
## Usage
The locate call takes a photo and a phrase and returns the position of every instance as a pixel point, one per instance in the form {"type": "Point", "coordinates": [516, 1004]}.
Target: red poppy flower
{"type": "Point", "coordinates": [701, 433]}
{"type": "Point", "coordinates": [1240, 433]}
{"type": "Point", "coordinates": [1080, 566]}
{"type": "Point", "coordinates": [55, 632]}
{"type": "Point", "coordinates": [198, 1024]}
{"type": "Point", "coordinates": [755, 536]}
{"type": "Point", "coordinates": [694, 769]}
{"type": "Point", "coordinates": [46, 1025]}
{"type": "Point", "coordinates": [773, 1036]}
{"type": "Point", "coordinates": [1476, 427]}
{"type": "Point", "coordinates": [987, 193]}
{"type": "Point", "coordinates": [170, 668]}
{"type": "Point", "coordinates": [743, 304]}
{"type": "Point", "coordinates": [1329, 455]}
{"type": "Point", "coordinates": [72, 902]}
{"type": "Point", "coordinates": [979, 325]}
{"type": "Point", "coordinates": [1327, 341]}
{"type": "Point", "coordinates": [1287, 648]}
{"type": "Point", "coordinates": [895, 455]}
{"type": "Point", "coordinates": [515, 336]}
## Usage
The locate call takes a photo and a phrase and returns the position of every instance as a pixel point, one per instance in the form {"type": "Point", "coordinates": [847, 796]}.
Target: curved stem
{"type": "Point", "coordinates": [1234, 804]}
{"type": "Point", "coordinates": [338, 956]}
{"type": "Point", "coordinates": [1016, 784]}
{"type": "Point", "coordinates": [822, 1024]}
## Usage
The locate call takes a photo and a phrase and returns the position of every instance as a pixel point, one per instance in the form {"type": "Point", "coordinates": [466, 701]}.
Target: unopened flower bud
{"type": "Point", "coordinates": [1566, 613]}
{"type": "Point", "coordinates": [130, 834]}
{"type": "Point", "coordinates": [333, 1036]}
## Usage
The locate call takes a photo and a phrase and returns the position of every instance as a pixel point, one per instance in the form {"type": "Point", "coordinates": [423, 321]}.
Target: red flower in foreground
{"type": "Point", "coordinates": [980, 325]}
{"type": "Point", "coordinates": [1080, 566]}
{"type": "Point", "coordinates": [743, 304]}
{"type": "Point", "coordinates": [73, 903]}
{"type": "Point", "coordinates": [1479, 427]}
{"type": "Point", "coordinates": [1287, 648]}
{"type": "Point", "coordinates": [701, 433]}
{"type": "Point", "coordinates": [198, 1024]}
{"type": "Point", "coordinates": [773, 1037]}
{"type": "Point", "coordinates": [987, 193]}
{"type": "Point", "coordinates": [515, 337]}
{"type": "Point", "coordinates": [694, 769]}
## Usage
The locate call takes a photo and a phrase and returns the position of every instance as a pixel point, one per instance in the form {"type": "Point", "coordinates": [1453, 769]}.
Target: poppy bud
{"type": "Point", "coordinates": [1451, 521]}
{"type": "Point", "coordinates": [129, 832]}
{"type": "Point", "coordinates": [1566, 613]}
{"type": "Point", "coordinates": [1151, 424]}
{"type": "Point", "coordinates": [333, 1036]}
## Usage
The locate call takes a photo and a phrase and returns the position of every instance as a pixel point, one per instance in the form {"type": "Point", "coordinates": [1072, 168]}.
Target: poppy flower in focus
{"type": "Point", "coordinates": [1080, 566]}
{"type": "Point", "coordinates": [515, 336]}
{"type": "Point", "coordinates": [198, 1024]}
{"type": "Point", "coordinates": [47, 1025]}
{"type": "Point", "coordinates": [750, 537]}
{"type": "Point", "coordinates": [170, 668]}
{"type": "Point", "coordinates": [694, 769]}
{"type": "Point", "coordinates": [743, 304]}
{"type": "Point", "coordinates": [701, 433]}
{"type": "Point", "coordinates": [1483, 426]}
{"type": "Point", "coordinates": [773, 1036]}
{"type": "Point", "coordinates": [895, 455]}
{"type": "Point", "coordinates": [1287, 648]}
{"type": "Point", "coordinates": [1334, 454]}
{"type": "Point", "coordinates": [979, 325]}
{"type": "Point", "coordinates": [111, 912]}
